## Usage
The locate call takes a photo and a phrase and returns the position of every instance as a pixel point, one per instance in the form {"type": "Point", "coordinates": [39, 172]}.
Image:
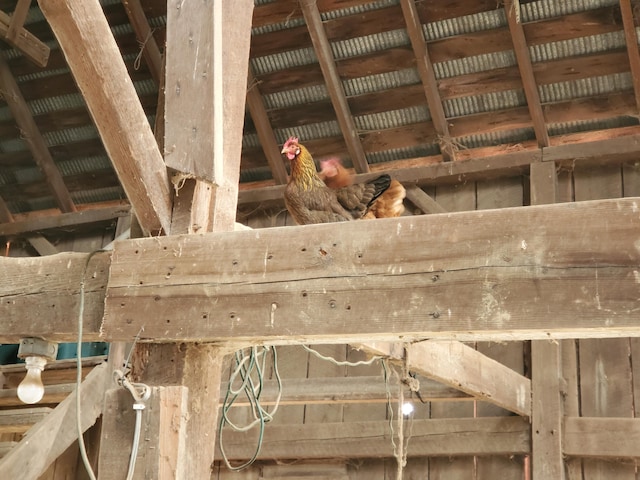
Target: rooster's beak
{"type": "Point", "coordinates": [283, 151]}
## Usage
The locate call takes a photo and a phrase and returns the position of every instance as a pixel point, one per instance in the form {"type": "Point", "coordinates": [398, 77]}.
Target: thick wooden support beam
{"type": "Point", "coordinates": [423, 201]}
{"type": "Point", "coordinates": [42, 296]}
{"type": "Point", "coordinates": [459, 366]}
{"type": "Point", "coordinates": [163, 423]}
{"type": "Point", "coordinates": [506, 274]}
{"type": "Point", "coordinates": [441, 437]}
{"type": "Point", "coordinates": [55, 433]}
{"type": "Point", "coordinates": [601, 437]}
{"type": "Point", "coordinates": [21, 420]}
{"type": "Point", "coordinates": [92, 53]}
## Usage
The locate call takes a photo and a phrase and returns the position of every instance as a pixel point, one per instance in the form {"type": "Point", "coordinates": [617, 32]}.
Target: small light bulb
{"type": "Point", "coordinates": [407, 408]}
{"type": "Point", "coordinates": [31, 389]}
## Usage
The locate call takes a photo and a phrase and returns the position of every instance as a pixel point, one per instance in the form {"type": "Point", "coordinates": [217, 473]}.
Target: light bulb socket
{"type": "Point", "coordinates": [37, 347]}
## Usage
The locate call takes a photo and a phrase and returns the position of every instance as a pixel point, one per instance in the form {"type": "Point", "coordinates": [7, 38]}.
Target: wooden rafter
{"type": "Point", "coordinates": [144, 34]}
{"type": "Point", "coordinates": [265, 132]}
{"type": "Point", "coordinates": [5, 213]}
{"type": "Point", "coordinates": [17, 20]}
{"type": "Point", "coordinates": [631, 38]}
{"type": "Point", "coordinates": [422, 200]}
{"type": "Point", "coordinates": [334, 84]}
{"type": "Point", "coordinates": [512, 11]}
{"type": "Point", "coordinates": [28, 44]}
{"type": "Point", "coordinates": [33, 138]}
{"type": "Point", "coordinates": [91, 52]}
{"type": "Point", "coordinates": [427, 75]}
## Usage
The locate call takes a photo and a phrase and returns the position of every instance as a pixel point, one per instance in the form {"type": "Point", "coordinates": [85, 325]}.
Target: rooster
{"type": "Point", "coordinates": [389, 204]}
{"type": "Point", "coordinates": [309, 200]}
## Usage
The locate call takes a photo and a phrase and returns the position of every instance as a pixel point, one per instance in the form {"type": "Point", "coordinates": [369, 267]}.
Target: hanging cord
{"type": "Point", "coordinates": [248, 366]}
{"type": "Point", "coordinates": [140, 393]}
{"type": "Point", "coordinates": [83, 449]}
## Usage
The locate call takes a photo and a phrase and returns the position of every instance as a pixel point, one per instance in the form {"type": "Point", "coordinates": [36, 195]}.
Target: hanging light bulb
{"type": "Point", "coordinates": [36, 352]}
{"type": "Point", "coordinates": [31, 389]}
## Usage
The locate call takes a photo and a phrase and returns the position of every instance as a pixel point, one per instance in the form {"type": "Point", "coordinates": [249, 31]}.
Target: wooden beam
{"type": "Point", "coordinates": [422, 200]}
{"type": "Point", "coordinates": [334, 84]}
{"type": "Point", "coordinates": [41, 245]}
{"type": "Point", "coordinates": [57, 431]}
{"type": "Point", "coordinates": [33, 138]}
{"type": "Point", "coordinates": [91, 52]}
{"type": "Point", "coordinates": [459, 366]}
{"type": "Point", "coordinates": [631, 39]}
{"type": "Point", "coordinates": [543, 183]}
{"type": "Point", "coordinates": [17, 20]}
{"type": "Point", "coordinates": [21, 420]}
{"type": "Point", "coordinates": [265, 131]}
{"type": "Point", "coordinates": [599, 437]}
{"type": "Point", "coordinates": [5, 213]}
{"type": "Point", "coordinates": [458, 285]}
{"type": "Point", "coordinates": [441, 437]}
{"type": "Point", "coordinates": [144, 34]}
{"type": "Point", "coordinates": [52, 284]}
{"type": "Point", "coordinates": [480, 288]}
{"type": "Point", "coordinates": [164, 418]}
{"type": "Point", "coordinates": [28, 44]}
{"type": "Point", "coordinates": [546, 412]}
{"type": "Point", "coordinates": [521, 49]}
{"type": "Point", "coordinates": [36, 224]}
{"type": "Point", "coordinates": [427, 75]}
{"type": "Point", "coordinates": [320, 390]}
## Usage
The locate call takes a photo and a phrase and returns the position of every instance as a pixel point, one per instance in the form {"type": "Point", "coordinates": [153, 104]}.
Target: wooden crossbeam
{"type": "Point", "coordinates": [427, 75]}
{"type": "Point", "coordinates": [39, 223]}
{"type": "Point", "coordinates": [506, 274]}
{"type": "Point", "coordinates": [601, 437]}
{"type": "Point", "coordinates": [334, 84]}
{"type": "Point", "coordinates": [422, 200]}
{"type": "Point", "coordinates": [34, 139]}
{"type": "Point", "coordinates": [520, 48]}
{"type": "Point", "coordinates": [17, 20]}
{"type": "Point", "coordinates": [441, 437]}
{"type": "Point", "coordinates": [91, 52]}
{"type": "Point", "coordinates": [21, 420]}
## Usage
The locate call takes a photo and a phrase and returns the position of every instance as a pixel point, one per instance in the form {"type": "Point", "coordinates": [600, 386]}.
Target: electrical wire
{"type": "Point", "coordinates": [248, 366]}
{"type": "Point", "coordinates": [83, 449]}
{"type": "Point", "coordinates": [341, 363]}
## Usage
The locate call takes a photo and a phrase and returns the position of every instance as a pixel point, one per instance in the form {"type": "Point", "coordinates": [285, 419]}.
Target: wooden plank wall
{"type": "Point", "coordinates": [598, 373]}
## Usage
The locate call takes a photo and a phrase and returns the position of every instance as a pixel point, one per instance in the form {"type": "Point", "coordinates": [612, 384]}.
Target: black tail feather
{"type": "Point", "coordinates": [381, 184]}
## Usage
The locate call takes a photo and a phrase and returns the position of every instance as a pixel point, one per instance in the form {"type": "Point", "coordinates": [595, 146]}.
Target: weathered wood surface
{"type": "Point", "coordinates": [602, 437]}
{"type": "Point", "coordinates": [52, 435]}
{"type": "Point", "coordinates": [442, 437]}
{"type": "Point", "coordinates": [535, 272]}
{"type": "Point", "coordinates": [40, 296]}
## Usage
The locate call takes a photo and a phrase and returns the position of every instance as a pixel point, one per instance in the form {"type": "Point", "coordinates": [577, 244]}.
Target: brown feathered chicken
{"type": "Point", "coordinates": [389, 204]}
{"type": "Point", "coordinates": [309, 200]}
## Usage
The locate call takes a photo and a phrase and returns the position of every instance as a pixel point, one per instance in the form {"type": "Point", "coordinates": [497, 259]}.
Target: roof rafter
{"type": "Point", "coordinates": [33, 138]}
{"type": "Point", "coordinates": [267, 138]}
{"type": "Point", "coordinates": [631, 37]}
{"type": "Point", "coordinates": [28, 44]}
{"type": "Point", "coordinates": [144, 34]}
{"type": "Point", "coordinates": [512, 11]}
{"type": "Point", "coordinates": [334, 85]}
{"type": "Point", "coordinates": [427, 75]}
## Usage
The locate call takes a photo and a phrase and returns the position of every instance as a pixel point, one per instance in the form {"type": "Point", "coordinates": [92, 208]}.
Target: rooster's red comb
{"type": "Point", "coordinates": [290, 141]}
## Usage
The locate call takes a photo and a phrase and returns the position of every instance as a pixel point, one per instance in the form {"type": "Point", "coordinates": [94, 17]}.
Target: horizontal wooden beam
{"type": "Point", "coordinates": [600, 437]}
{"type": "Point", "coordinates": [21, 420]}
{"type": "Point", "coordinates": [37, 224]}
{"type": "Point", "coordinates": [549, 271]}
{"type": "Point", "coordinates": [507, 274]}
{"type": "Point", "coordinates": [441, 437]}
{"type": "Point", "coordinates": [28, 44]}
